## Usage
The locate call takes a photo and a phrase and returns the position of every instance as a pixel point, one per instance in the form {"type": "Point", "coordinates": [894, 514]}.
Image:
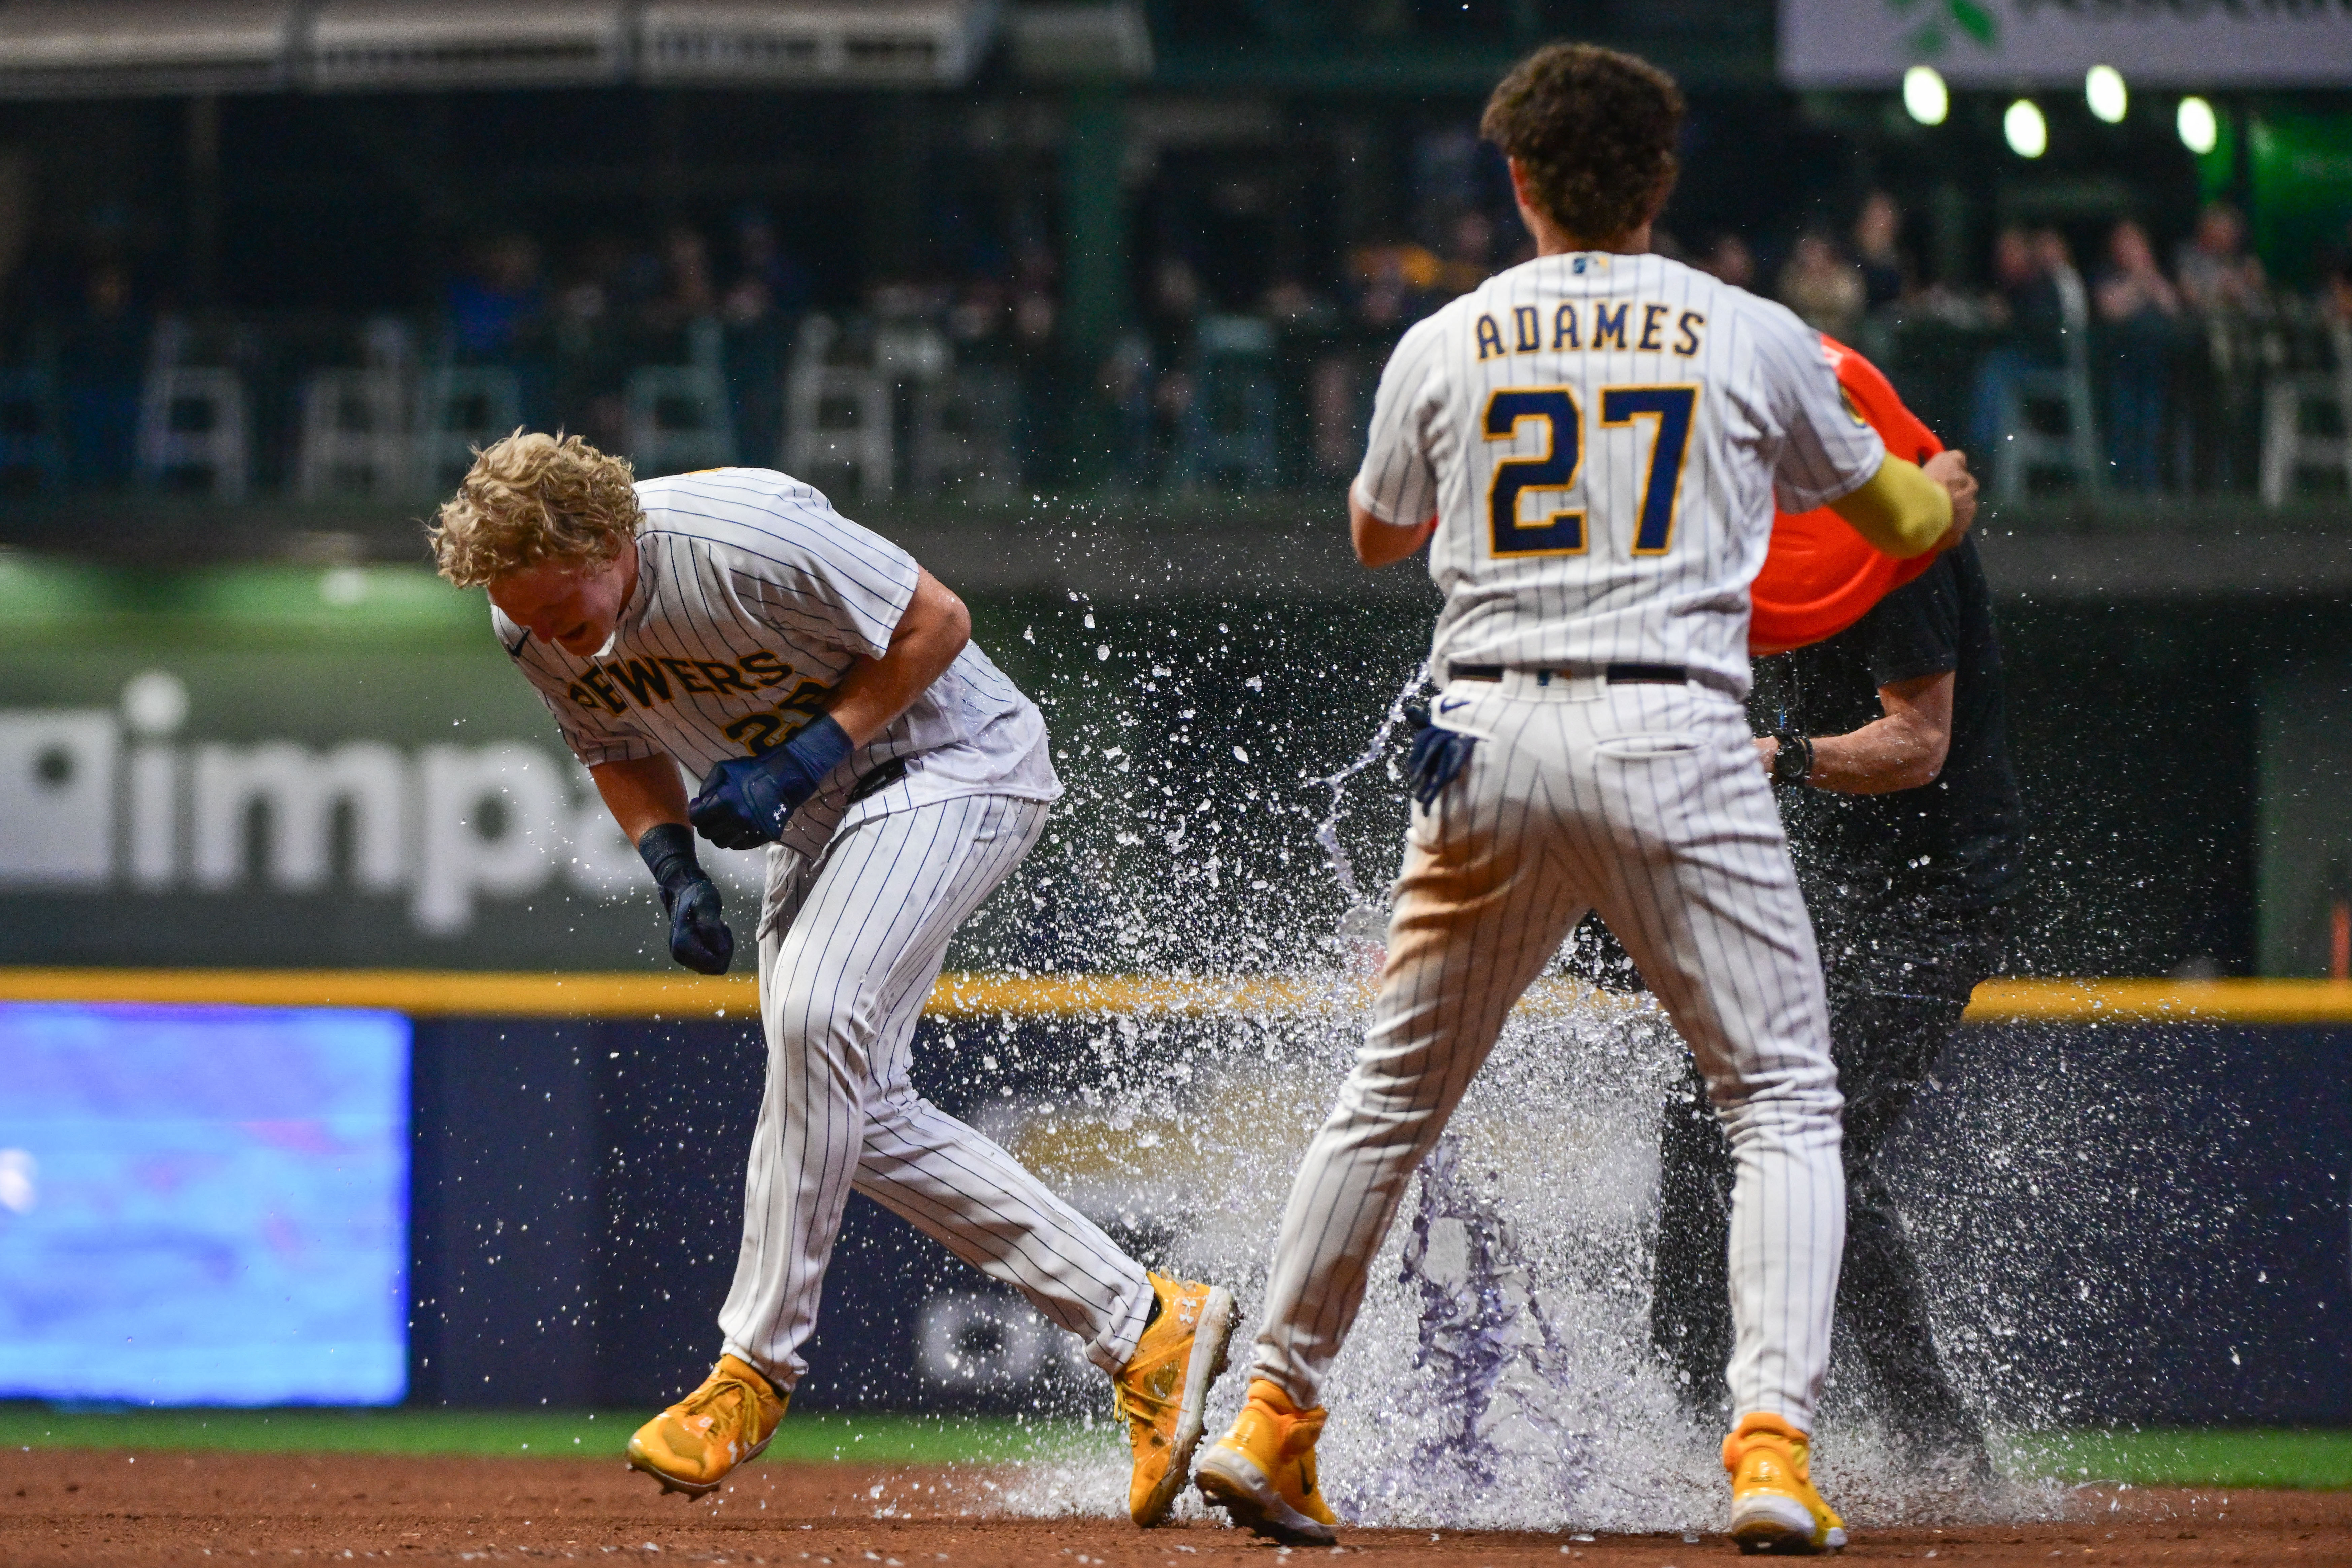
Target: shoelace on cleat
{"type": "Point", "coordinates": [1134, 1401]}
{"type": "Point", "coordinates": [1140, 1408]}
{"type": "Point", "coordinates": [1143, 1408]}
{"type": "Point", "coordinates": [706, 1399]}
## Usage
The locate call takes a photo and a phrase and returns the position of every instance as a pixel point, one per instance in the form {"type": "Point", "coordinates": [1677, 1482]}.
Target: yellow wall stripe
{"type": "Point", "coordinates": [483, 993]}
{"type": "Point", "coordinates": [425, 992]}
{"type": "Point", "coordinates": [2163, 1001]}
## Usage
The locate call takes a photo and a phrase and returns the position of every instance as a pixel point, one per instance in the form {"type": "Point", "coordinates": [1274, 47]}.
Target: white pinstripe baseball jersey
{"type": "Point", "coordinates": [753, 596]}
{"type": "Point", "coordinates": [1600, 437]}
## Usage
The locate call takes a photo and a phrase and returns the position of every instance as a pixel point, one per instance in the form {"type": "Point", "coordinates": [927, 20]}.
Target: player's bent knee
{"type": "Point", "coordinates": [806, 1029]}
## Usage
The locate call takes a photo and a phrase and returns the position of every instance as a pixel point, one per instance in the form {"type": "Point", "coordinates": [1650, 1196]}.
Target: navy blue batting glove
{"type": "Point", "coordinates": [1435, 758]}
{"type": "Point", "coordinates": [745, 800]}
{"type": "Point", "coordinates": [699, 938]}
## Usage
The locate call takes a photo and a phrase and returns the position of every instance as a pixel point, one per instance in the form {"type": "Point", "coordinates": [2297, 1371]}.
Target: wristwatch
{"type": "Point", "coordinates": [1792, 764]}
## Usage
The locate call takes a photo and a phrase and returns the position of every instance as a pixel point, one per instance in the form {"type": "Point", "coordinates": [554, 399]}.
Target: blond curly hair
{"type": "Point", "coordinates": [532, 497]}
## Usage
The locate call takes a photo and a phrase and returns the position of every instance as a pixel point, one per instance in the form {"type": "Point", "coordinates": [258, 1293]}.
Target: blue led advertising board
{"type": "Point", "coordinates": [203, 1205]}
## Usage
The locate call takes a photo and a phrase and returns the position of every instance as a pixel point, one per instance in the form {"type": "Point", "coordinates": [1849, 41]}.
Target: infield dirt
{"type": "Point", "coordinates": [97, 1509]}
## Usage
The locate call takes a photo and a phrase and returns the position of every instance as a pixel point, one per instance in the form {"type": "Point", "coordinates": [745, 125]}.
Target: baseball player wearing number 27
{"type": "Point", "coordinates": [1592, 444]}
{"type": "Point", "coordinates": [825, 691]}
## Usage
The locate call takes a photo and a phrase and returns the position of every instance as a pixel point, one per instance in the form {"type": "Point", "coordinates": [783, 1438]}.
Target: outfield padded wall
{"type": "Point", "coordinates": [2169, 1244]}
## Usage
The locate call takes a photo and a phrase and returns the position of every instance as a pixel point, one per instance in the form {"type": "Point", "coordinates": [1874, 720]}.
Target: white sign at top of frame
{"type": "Point", "coordinates": [2008, 44]}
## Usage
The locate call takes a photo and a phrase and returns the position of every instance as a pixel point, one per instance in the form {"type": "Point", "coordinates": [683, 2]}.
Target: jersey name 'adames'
{"type": "Point", "coordinates": [753, 596]}
{"type": "Point", "coordinates": [1602, 438]}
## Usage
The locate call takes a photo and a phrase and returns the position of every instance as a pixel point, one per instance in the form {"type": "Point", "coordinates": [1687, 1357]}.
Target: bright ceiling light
{"type": "Point", "coordinates": [2199, 131]}
{"type": "Point", "coordinates": [2104, 88]}
{"type": "Point", "coordinates": [1924, 96]}
{"type": "Point", "coordinates": [2028, 132]}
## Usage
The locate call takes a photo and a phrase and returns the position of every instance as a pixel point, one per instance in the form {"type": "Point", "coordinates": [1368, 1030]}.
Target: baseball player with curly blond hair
{"type": "Point", "coordinates": [1591, 444]}
{"type": "Point", "coordinates": [825, 691]}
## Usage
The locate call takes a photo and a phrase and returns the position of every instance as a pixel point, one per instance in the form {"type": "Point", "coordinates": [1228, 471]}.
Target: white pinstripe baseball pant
{"type": "Point", "coordinates": [1644, 800]}
{"type": "Point", "coordinates": [842, 978]}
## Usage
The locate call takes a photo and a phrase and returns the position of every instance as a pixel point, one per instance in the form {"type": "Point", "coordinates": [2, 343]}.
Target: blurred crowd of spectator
{"type": "Point", "coordinates": [2161, 374]}
{"type": "Point", "coordinates": [2168, 372]}
{"type": "Point", "coordinates": [575, 333]}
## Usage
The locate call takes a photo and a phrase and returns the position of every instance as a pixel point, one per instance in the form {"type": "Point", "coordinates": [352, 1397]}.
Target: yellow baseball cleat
{"type": "Point", "coordinates": [1162, 1390]}
{"type": "Point", "coordinates": [1774, 1507]}
{"type": "Point", "coordinates": [690, 1446]}
{"type": "Point", "coordinates": [1263, 1472]}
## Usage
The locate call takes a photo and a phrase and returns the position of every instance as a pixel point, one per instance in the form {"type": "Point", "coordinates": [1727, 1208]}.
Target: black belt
{"type": "Point", "coordinates": [877, 781]}
{"type": "Point", "coordinates": [1614, 674]}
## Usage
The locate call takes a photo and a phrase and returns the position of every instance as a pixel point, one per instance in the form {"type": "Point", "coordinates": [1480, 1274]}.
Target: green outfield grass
{"type": "Point", "coordinates": [866, 1439]}
{"type": "Point", "coordinates": [2162, 1456]}
{"type": "Point", "coordinates": [2253, 1457]}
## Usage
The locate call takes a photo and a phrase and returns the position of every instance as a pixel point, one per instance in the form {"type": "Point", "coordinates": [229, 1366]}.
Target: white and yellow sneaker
{"type": "Point", "coordinates": [1262, 1473]}
{"type": "Point", "coordinates": [1774, 1507]}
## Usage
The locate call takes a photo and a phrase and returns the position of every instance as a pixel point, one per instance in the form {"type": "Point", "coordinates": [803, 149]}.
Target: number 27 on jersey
{"type": "Point", "coordinates": [1559, 466]}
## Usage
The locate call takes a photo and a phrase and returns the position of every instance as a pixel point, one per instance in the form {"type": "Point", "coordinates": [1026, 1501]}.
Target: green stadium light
{"type": "Point", "coordinates": [1924, 96]}
{"type": "Point", "coordinates": [2199, 130]}
{"type": "Point", "coordinates": [2103, 87]}
{"type": "Point", "coordinates": [2028, 132]}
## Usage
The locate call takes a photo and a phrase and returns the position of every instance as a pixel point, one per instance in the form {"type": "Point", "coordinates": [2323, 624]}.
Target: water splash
{"type": "Point", "coordinates": [1500, 1373]}
{"type": "Point", "coordinates": [1364, 921]}
{"type": "Point", "coordinates": [1492, 1357]}
{"type": "Point", "coordinates": [1480, 1323]}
